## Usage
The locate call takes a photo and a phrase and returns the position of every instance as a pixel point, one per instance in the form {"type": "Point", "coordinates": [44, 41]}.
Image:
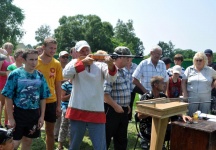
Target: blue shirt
{"type": "Point", "coordinates": [67, 87]}
{"type": "Point", "coordinates": [26, 89]}
{"type": "Point", "coordinates": [120, 89]}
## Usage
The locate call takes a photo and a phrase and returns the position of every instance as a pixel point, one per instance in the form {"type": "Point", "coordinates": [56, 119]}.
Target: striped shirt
{"type": "Point", "coordinates": [146, 70]}
{"type": "Point", "coordinates": [120, 89]}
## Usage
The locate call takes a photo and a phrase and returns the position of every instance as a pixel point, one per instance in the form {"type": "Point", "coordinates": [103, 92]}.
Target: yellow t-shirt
{"type": "Point", "coordinates": [52, 73]}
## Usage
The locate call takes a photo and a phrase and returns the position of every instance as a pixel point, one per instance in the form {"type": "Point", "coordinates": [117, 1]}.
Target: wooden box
{"type": "Point", "coordinates": [200, 136]}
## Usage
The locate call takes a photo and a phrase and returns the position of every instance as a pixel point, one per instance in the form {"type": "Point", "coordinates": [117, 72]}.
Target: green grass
{"type": "Point", "coordinates": [40, 144]}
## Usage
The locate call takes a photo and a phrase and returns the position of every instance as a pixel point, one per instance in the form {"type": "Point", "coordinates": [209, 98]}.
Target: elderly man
{"type": "Point", "coordinates": [148, 68]}
{"type": "Point", "coordinates": [86, 106]}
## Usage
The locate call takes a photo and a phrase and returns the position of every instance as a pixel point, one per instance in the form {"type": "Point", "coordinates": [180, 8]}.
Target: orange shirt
{"type": "Point", "coordinates": [52, 73]}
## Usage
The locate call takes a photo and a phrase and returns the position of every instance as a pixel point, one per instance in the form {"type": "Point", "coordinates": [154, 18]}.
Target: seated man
{"type": "Point", "coordinates": [157, 84]}
{"type": "Point", "coordinates": [6, 139]}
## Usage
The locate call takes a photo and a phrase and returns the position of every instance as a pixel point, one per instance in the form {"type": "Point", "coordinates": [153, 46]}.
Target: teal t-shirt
{"type": "Point", "coordinates": [26, 89]}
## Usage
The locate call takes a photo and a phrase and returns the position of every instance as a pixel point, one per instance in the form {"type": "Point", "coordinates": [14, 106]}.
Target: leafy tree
{"type": "Point", "coordinates": [80, 27]}
{"type": "Point", "coordinates": [10, 23]}
{"type": "Point", "coordinates": [167, 48]}
{"type": "Point", "coordinates": [188, 54]}
{"type": "Point", "coordinates": [42, 32]}
{"type": "Point", "coordinates": [124, 35]}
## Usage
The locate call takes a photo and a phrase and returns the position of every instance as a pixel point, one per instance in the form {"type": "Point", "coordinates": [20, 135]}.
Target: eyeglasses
{"type": "Point", "coordinates": [65, 57]}
{"type": "Point", "coordinates": [199, 60]}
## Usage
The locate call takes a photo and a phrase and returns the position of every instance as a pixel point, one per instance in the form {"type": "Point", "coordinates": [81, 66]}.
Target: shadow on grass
{"type": "Point", "coordinates": [39, 143]}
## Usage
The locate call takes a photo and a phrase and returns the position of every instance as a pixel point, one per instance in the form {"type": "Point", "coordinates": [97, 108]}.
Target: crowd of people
{"type": "Point", "coordinates": [70, 97]}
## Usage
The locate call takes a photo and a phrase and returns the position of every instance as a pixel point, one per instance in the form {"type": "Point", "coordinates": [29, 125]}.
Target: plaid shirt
{"type": "Point", "coordinates": [129, 73]}
{"type": "Point", "coordinates": [120, 89]}
{"type": "Point", "coordinates": [146, 70]}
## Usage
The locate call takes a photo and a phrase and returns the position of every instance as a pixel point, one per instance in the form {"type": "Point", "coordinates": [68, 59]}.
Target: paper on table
{"type": "Point", "coordinates": [207, 115]}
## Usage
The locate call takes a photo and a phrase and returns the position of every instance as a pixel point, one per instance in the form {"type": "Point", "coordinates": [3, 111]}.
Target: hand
{"type": "Point", "coordinates": [11, 123]}
{"type": "Point", "coordinates": [185, 118]}
{"type": "Point", "coordinates": [129, 109]}
{"type": "Point", "coordinates": [109, 61]}
{"type": "Point", "coordinates": [58, 111]}
{"type": "Point", "coordinates": [119, 109]}
{"type": "Point", "coordinates": [87, 61]}
{"type": "Point", "coordinates": [40, 122]}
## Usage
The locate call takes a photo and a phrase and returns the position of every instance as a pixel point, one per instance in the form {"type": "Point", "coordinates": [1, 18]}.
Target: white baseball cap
{"type": "Point", "coordinates": [63, 53]}
{"type": "Point", "coordinates": [79, 45]}
{"type": "Point", "coordinates": [177, 69]}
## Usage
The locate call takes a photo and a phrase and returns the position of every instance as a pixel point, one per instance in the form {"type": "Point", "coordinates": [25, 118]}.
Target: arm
{"type": "Point", "coordinates": [42, 108]}
{"type": "Point", "coordinates": [58, 96]}
{"type": "Point", "coordinates": [167, 88]}
{"type": "Point", "coordinates": [9, 106]}
{"type": "Point", "coordinates": [139, 85]}
{"type": "Point", "coordinates": [108, 99]}
{"type": "Point", "coordinates": [184, 88]}
{"type": "Point", "coordinates": [2, 73]}
{"type": "Point", "coordinates": [64, 97]}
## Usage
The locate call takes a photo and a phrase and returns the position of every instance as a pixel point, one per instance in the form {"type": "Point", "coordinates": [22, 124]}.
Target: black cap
{"type": "Point", "coordinates": [5, 135]}
{"type": "Point", "coordinates": [208, 51]}
{"type": "Point", "coordinates": [166, 60]}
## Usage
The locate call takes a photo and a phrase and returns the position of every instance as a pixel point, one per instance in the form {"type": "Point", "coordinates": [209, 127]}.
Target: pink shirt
{"type": "Point", "coordinates": [5, 64]}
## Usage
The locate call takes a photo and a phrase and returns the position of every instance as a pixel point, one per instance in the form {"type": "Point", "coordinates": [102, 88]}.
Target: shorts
{"type": "Point", "coordinates": [26, 123]}
{"type": "Point", "coordinates": [29, 131]}
{"type": "Point", "coordinates": [50, 112]}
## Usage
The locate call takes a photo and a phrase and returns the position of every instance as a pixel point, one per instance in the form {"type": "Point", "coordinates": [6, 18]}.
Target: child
{"type": "Point", "coordinates": [65, 95]}
{"type": "Point", "coordinates": [174, 86]}
{"type": "Point", "coordinates": [6, 139]}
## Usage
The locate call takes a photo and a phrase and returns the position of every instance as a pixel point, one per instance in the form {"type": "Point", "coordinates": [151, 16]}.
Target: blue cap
{"type": "Point", "coordinates": [208, 51]}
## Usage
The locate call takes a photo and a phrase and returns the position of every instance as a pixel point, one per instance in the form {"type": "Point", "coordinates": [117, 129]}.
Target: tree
{"type": "Point", "coordinates": [188, 54]}
{"type": "Point", "coordinates": [42, 32]}
{"type": "Point", "coordinates": [124, 35]}
{"type": "Point", "coordinates": [167, 49]}
{"type": "Point", "coordinates": [90, 28]}
{"type": "Point", "coordinates": [10, 23]}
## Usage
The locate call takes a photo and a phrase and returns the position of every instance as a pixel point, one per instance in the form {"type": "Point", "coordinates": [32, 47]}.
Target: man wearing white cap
{"type": "Point", "coordinates": [63, 58]}
{"type": "Point", "coordinates": [86, 106]}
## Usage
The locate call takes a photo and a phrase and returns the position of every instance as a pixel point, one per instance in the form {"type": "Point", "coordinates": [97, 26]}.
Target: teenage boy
{"type": "Point", "coordinates": [52, 71]}
{"type": "Point", "coordinates": [25, 91]}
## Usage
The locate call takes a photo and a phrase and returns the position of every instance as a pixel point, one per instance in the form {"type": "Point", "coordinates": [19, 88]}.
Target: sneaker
{"type": "Point", "coordinates": [144, 144]}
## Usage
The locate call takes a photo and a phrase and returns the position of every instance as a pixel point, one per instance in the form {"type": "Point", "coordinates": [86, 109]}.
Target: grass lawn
{"type": "Point", "coordinates": [40, 144]}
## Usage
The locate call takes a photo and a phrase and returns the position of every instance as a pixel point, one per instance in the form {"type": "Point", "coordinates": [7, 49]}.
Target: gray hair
{"type": "Point", "coordinates": [157, 47]}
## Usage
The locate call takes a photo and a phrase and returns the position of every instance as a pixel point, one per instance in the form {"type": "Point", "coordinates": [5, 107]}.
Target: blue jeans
{"type": "Point", "coordinates": [96, 133]}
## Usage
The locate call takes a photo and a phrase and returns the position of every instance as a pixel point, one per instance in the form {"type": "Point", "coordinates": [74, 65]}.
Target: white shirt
{"type": "Point", "coordinates": [146, 70]}
{"type": "Point", "coordinates": [199, 82]}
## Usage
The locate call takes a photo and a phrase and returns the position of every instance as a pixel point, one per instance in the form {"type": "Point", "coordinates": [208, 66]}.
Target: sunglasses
{"type": "Point", "coordinates": [65, 57]}
{"type": "Point", "coordinates": [199, 60]}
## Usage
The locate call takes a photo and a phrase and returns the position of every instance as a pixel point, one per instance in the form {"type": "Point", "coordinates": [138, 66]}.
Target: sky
{"type": "Point", "coordinates": [188, 24]}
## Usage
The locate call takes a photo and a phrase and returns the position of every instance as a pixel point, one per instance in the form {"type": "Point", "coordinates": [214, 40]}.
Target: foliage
{"type": "Point", "coordinates": [167, 49]}
{"type": "Point", "coordinates": [80, 27]}
{"type": "Point", "coordinates": [100, 35]}
{"type": "Point", "coordinates": [42, 32]}
{"type": "Point", "coordinates": [188, 54]}
{"type": "Point", "coordinates": [10, 23]}
{"type": "Point", "coordinates": [124, 35]}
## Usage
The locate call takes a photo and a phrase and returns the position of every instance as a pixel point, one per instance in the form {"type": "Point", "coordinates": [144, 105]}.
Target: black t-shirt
{"type": "Point", "coordinates": [213, 92]}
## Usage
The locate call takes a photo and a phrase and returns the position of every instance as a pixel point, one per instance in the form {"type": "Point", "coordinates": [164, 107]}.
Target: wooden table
{"type": "Point", "coordinates": [200, 136]}
{"type": "Point", "coordinates": [160, 110]}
